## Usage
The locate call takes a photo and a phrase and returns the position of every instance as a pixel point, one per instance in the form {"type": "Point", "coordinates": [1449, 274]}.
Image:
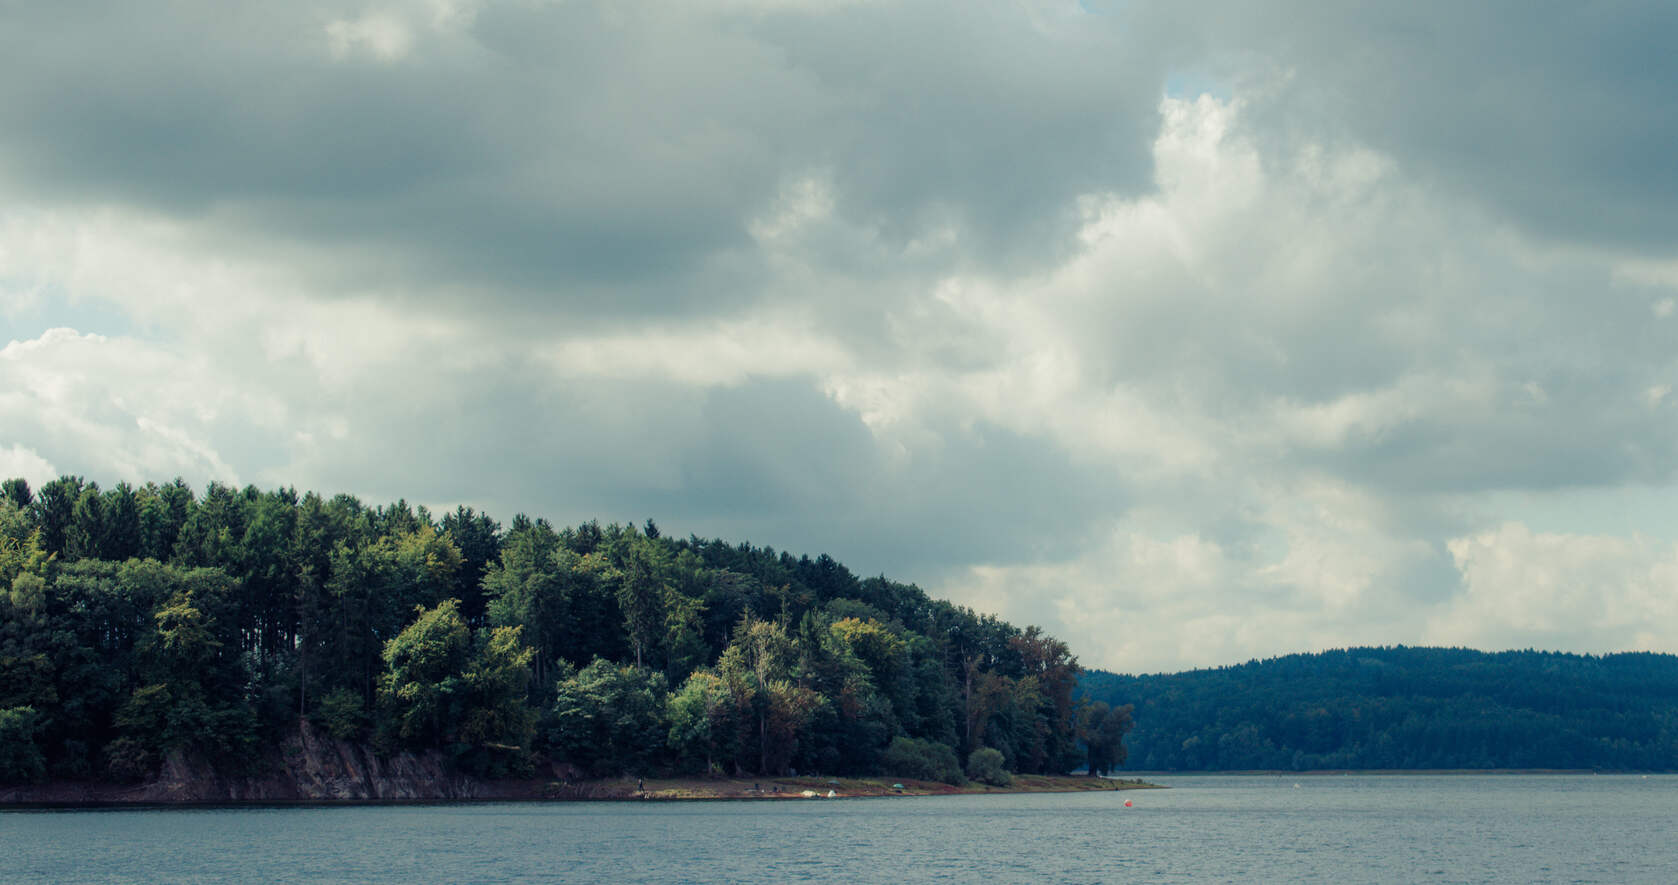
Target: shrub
{"type": "Point", "coordinates": [922, 760]}
{"type": "Point", "coordinates": [985, 766]}
{"type": "Point", "coordinates": [128, 761]}
{"type": "Point", "coordinates": [341, 714]}
{"type": "Point", "coordinates": [20, 759]}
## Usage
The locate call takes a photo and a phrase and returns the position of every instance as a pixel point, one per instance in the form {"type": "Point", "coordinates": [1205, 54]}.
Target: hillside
{"type": "Point", "coordinates": [1405, 708]}
{"type": "Point", "coordinates": [148, 624]}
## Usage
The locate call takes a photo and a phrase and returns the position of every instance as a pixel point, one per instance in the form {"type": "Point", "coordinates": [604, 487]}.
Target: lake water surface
{"type": "Point", "coordinates": [1397, 828]}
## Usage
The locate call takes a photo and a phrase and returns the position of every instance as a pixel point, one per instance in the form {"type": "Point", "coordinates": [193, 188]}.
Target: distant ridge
{"type": "Point", "coordinates": [1404, 708]}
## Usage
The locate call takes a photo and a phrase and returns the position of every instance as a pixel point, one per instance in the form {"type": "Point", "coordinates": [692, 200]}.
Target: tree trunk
{"type": "Point", "coordinates": [969, 664]}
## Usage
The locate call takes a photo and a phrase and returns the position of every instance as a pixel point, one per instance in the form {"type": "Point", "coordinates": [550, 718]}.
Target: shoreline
{"type": "Point", "coordinates": [1398, 772]}
{"type": "Point", "coordinates": [67, 796]}
{"type": "Point", "coordinates": [729, 789]}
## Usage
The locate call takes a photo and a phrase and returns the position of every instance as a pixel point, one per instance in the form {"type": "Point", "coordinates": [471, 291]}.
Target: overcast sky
{"type": "Point", "coordinates": [1191, 331]}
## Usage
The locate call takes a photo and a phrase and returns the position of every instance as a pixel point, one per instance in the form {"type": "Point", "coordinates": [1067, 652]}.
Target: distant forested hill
{"type": "Point", "coordinates": [142, 621]}
{"type": "Point", "coordinates": [1405, 708]}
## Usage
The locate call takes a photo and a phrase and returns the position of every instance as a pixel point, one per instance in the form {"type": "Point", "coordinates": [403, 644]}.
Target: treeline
{"type": "Point", "coordinates": [141, 620]}
{"type": "Point", "coordinates": [1406, 708]}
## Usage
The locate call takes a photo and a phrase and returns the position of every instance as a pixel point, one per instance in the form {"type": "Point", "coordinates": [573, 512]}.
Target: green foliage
{"type": "Point", "coordinates": [138, 621]}
{"type": "Point", "coordinates": [21, 553]}
{"type": "Point", "coordinates": [702, 722]}
{"type": "Point", "coordinates": [923, 760]}
{"type": "Point", "coordinates": [20, 759]}
{"type": "Point", "coordinates": [684, 634]}
{"type": "Point", "coordinates": [342, 714]}
{"type": "Point", "coordinates": [16, 492]}
{"type": "Point", "coordinates": [422, 674]}
{"type": "Point", "coordinates": [985, 766]}
{"type": "Point", "coordinates": [478, 538]}
{"type": "Point", "coordinates": [641, 590]}
{"type": "Point", "coordinates": [442, 689]}
{"type": "Point", "coordinates": [188, 695]}
{"type": "Point", "coordinates": [610, 718]}
{"type": "Point", "coordinates": [1406, 708]}
{"type": "Point", "coordinates": [29, 593]}
{"type": "Point", "coordinates": [530, 587]}
{"type": "Point", "coordinates": [129, 759]}
{"type": "Point", "coordinates": [1102, 729]}
{"type": "Point", "coordinates": [495, 727]}
{"type": "Point", "coordinates": [776, 712]}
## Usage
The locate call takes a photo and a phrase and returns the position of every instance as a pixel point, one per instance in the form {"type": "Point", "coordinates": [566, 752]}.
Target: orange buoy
{"type": "Point", "coordinates": [1127, 803]}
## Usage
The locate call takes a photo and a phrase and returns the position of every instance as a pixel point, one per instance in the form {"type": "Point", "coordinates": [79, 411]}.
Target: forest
{"type": "Point", "coordinates": [138, 621]}
{"type": "Point", "coordinates": [1406, 708]}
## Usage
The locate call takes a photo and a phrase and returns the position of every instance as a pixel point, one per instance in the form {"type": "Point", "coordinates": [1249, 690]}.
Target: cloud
{"type": "Point", "coordinates": [17, 461]}
{"type": "Point", "coordinates": [1554, 122]}
{"type": "Point", "coordinates": [1580, 592]}
{"type": "Point", "coordinates": [582, 159]}
{"type": "Point", "coordinates": [119, 409]}
{"type": "Point", "coordinates": [1303, 568]}
{"type": "Point", "coordinates": [959, 296]}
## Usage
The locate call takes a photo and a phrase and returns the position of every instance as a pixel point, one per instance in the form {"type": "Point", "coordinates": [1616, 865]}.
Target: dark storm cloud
{"type": "Point", "coordinates": [771, 461]}
{"type": "Point", "coordinates": [609, 157]}
{"type": "Point", "coordinates": [947, 291]}
{"type": "Point", "coordinates": [1560, 115]}
{"type": "Point", "coordinates": [783, 464]}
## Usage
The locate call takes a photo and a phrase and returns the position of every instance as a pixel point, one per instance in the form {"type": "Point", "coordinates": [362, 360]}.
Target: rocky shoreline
{"type": "Point", "coordinates": [312, 768]}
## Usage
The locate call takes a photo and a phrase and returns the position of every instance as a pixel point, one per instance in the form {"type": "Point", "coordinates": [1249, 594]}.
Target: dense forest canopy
{"type": "Point", "coordinates": [1406, 708]}
{"type": "Point", "coordinates": [137, 621]}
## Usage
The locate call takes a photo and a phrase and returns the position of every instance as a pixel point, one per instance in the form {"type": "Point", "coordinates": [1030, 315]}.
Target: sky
{"type": "Point", "coordinates": [1193, 332]}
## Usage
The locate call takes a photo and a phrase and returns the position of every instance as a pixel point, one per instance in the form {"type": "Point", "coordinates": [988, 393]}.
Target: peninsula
{"type": "Point", "coordinates": [161, 644]}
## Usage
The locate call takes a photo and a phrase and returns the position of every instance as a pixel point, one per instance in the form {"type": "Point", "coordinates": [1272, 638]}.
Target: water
{"type": "Point", "coordinates": [1516, 828]}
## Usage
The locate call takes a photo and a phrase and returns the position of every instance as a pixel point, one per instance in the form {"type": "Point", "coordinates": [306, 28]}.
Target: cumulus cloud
{"type": "Point", "coordinates": [119, 409]}
{"type": "Point", "coordinates": [958, 295]}
{"type": "Point", "coordinates": [588, 159]}
{"type": "Point", "coordinates": [1553, 121]}
{"type": "Point", "coordinates": [1584, 592]}
{"type": "Point", "coordinates": [17, 461]}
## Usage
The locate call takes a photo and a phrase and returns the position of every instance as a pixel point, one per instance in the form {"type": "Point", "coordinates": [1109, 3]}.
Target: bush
{"type": "Point", "coordinates": [20, 759]}
{"type": "Point", "coordinates": [340, 713]}
{"type": "Point", "coordinates": [610, 718]}
{"type": "Point", "coordinates": [985, 766]}
{"type": "Point", "coordinates": [129, 761]}
{"type": "Point", "coordinates": [922, 760]}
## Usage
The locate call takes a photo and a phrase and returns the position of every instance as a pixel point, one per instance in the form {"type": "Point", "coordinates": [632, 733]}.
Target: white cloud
{"type": "Point", "coordinates": [726, 353]}
{"type": "Point", "coordinates": [381, 35]}
{"type": "Point", "coordinates": [1144, 600]}
{"type": "Point", "coordinates": [1550, 590]}
{"type": "Point", "coordinates": [18, 461]}
{"type": "Point", "coordinates": [1186, 351]}
{"type": "Point", "coordinates": [117, 408]}
{"type": "Point", "coordinates": [1342, 553]}
{"type": "Point", "coordinates": [1188, 380]}
{"type": "Point", "coordinates": [1112, 602]}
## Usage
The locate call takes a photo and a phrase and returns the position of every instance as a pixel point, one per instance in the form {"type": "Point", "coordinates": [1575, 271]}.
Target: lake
{"type": "Point", "coordinates": [1397, 828]}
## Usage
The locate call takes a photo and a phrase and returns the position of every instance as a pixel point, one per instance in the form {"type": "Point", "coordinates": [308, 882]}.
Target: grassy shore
{"type": "Point", "coordinates": [842, 787]}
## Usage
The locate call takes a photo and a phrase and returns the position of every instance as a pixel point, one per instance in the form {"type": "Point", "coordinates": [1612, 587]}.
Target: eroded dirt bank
{"type": "Point", "coordinates": [311, 767]}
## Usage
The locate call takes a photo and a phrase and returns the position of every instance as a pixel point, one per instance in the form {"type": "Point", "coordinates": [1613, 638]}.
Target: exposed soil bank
{"type": "Point", "coordinates": [310, 767]}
